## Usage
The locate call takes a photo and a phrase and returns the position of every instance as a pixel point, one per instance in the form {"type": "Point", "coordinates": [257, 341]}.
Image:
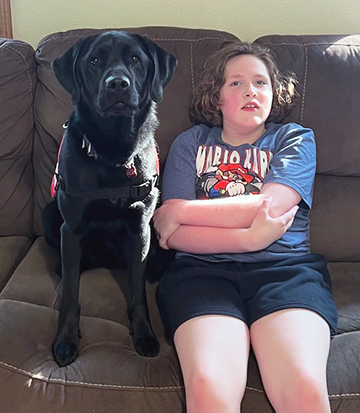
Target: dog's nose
{"type": "Point", "coordinates": [117, 82]}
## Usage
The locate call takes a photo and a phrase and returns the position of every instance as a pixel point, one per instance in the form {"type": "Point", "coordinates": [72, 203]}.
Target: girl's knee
{"type": "Point", "coordinates": [208, 393]}
{"type": "Point", "coordinates": [305, 393]}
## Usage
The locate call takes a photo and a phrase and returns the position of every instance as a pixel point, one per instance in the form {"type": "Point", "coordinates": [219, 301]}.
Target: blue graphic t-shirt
{"type": "Point", "coordinates": [200, 165]}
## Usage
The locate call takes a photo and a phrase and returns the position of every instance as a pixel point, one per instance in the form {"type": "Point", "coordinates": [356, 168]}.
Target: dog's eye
{"type": "Point", "coordinates": [135, 60]}
{"type": "Point", "coordinates": [94, 61]}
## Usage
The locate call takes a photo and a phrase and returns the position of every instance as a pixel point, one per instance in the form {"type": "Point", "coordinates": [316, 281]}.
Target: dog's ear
{"type": "Point", "coordinates": [164, 69]}
{"type": "Point", "coordinates": [65, 68]}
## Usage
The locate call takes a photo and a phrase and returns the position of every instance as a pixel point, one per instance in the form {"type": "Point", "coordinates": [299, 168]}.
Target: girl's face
{"type": "Point", "coordinates": [246, 96]}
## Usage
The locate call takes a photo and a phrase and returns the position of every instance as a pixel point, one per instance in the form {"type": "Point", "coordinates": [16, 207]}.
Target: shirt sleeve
{"type": "Point", "coordinates": [294, 161]}
{"type": "Point", "coordinates": [179, 177]}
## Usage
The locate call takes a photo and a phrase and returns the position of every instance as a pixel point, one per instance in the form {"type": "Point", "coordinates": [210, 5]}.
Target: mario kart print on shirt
{"type": "Point", "coordinates": [223, 172]}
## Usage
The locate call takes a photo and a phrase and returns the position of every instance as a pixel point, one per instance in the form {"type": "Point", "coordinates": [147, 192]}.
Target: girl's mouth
{"type": "Point", "coordinates": [250, 106]}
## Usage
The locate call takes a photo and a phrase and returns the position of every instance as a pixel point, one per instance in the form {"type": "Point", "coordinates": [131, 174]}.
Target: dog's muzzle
{"type": "Point", "coordinates": [117, 96]}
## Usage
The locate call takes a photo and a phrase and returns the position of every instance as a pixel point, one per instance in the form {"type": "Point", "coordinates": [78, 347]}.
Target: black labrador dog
{"type": "Point", "coordinates": [104, 185]}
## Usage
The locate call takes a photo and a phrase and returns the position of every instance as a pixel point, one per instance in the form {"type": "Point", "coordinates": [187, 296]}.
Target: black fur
{"type": "Point", "coordinates": [102, 210]}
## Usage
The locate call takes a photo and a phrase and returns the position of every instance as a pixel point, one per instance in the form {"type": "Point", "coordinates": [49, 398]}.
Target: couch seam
{"type": "Point", "coordinates": [192, 66]}
{"type": "Point", "coordinates": [310, 44]}
{"type": "Point", "coordinates": [85, 384]}
{"type": "Point", "coordinates": [304, 85]}
{"type": "Point", "coordinates": [179, 39]}
{"type": "Point", "coordinates": [332, 396]}
{"type": "Point", "coordinates": [337, 396]}
{"type": "Point", "coordinates": [118, 386]}
{"type": "Point", "coordinates": [255, 390]}
{"type": "Point", "coordinates": [166, 39]}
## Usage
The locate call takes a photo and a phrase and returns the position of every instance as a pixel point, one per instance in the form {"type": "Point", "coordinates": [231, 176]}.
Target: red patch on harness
{"type": "Point", "coordinates": [55, 181]}
{"type": "Point", "coordinates": [157, 161]}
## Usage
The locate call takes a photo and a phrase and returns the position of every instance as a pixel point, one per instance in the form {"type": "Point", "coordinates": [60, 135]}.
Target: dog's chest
{"type": "Point", "coordinates": [110, 216]}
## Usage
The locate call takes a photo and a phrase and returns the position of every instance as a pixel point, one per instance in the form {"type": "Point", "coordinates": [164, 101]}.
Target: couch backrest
{"type": "Point", "coordinates": [17, 88]}
{"type": "Point", "coordinates": [327, 67]}
{"type": "Point", "coordinates": [52, 104]}
{"type": "Point", "coordinates": [328, 70]}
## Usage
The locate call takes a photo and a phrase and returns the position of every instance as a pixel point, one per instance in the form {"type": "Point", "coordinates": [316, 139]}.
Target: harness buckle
{"type": "Point", "coordinates": [143, 190]}
{"type": "Point", "coordinates": [140, 191]}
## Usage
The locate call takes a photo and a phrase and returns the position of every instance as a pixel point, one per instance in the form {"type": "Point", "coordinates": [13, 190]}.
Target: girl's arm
{"type": "Point", "coordinates": [234, 212]}
{"type": "Point", "coordinates": [206, 218]}
{"type": "Point", "coordinates": [284, 198]}
{"type": "Point", "coordinates": [263, 231]}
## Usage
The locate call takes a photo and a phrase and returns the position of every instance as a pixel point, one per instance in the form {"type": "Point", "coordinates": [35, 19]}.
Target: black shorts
{"type": "Point", "coordinates": [192, 287]}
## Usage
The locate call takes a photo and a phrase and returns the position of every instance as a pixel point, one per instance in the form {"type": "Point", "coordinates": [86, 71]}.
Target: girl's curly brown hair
{"type": "Point", "coordinates": [205, 105]}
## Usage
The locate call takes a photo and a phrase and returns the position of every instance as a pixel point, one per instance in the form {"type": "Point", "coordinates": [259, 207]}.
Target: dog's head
{"type": "Point", "coordinates": [115, 73]}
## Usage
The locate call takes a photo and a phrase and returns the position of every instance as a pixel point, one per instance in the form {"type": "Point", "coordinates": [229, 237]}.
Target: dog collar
{"type": "Point", "coordinates": [130, 168]}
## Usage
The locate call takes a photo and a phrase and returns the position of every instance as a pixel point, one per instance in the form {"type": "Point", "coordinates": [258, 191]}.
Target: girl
{"type": "Point", "coordinates": [244, 272]}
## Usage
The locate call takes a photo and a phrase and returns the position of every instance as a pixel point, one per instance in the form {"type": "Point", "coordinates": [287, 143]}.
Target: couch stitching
{"type": "Point", "coordinates": [255, 390]}
{"type": "Point", "coordinates": [333, 396]}
{"type": "Point", "coordinates": [192, 65]}
{"type": "Point", "coordinates": [179, 39]}
{"type": "Point", "coordinates": [165, 39]}
{"type": "Point", "coordinates": [118, 386]}
{"type": "Point", "coordinates": [85, 384]}
{"type": "Point", "coordinates": [304, 86]}
{"type": "Point", "coordinates": [310, 44]}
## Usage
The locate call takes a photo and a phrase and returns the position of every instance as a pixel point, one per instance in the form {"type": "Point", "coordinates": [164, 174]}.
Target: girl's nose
{"type": "Point", "coordinates": [250, 92]}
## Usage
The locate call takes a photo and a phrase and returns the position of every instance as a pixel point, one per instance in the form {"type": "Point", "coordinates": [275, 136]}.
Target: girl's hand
{"type": "Point", "coordinates": [265, 230]}
{"type": "Point", "coordinates": [166, 222]}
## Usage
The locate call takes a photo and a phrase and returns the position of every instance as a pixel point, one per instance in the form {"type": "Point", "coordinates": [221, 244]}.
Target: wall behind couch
{"type": "Point", "coordinates": [247, 19]}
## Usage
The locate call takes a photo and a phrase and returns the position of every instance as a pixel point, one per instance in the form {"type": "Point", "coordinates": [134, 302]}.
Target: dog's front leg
{"type": "Point", "coordinates": [66, 344]}
{"type": "Point", "coordinates": [144, 338]}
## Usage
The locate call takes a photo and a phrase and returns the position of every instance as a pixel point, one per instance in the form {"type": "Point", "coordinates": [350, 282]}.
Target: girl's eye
{"type": "Point", "coordinates": [236, 83]}
{"type": "Point", "coordinates": [261, 82]}
{"type": "Point", "coordinates": [135, 60]}
{"type": "Point", "coordinates": [94, 61]}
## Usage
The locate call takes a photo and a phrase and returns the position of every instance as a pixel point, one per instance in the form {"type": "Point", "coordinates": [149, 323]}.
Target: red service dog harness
{"type": "Point", "coordinates": [135, 192]}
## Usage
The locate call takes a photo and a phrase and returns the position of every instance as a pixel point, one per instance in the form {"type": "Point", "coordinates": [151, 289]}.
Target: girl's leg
{"type": "Point", "coordinates": [291, 348]}
{"type": "Point", "coordinates": [213, 351]}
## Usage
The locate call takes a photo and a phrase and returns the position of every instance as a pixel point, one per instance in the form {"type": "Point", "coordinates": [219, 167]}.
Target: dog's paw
{"type": "Point", "coordinates": [147, 346]}
{"type": "Point", "coordinates": [65, 352]}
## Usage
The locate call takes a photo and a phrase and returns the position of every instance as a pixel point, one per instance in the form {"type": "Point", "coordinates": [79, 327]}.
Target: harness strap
{"type": "Point", "coordinates": [133, 192]}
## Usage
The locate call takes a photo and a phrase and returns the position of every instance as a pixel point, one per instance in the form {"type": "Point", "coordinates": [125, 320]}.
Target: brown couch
{"type": "Point", "coordinates": [109, 376]}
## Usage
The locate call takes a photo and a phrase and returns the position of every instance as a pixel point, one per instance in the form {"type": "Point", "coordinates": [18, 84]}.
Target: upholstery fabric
{"type": "Point", "coordinates": [17, 84]}
{"type": "Point", "coordinates": [109, 376]}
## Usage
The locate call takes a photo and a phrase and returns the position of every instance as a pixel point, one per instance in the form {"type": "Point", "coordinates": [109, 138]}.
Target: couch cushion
{"type": "Point", "coordinates": [346, 287]}
{"type": "Point", "coordinates": [108, 375]}
{"type": "Point", "coordinates": [17, 85]}
{"type": "Point", "coordinates": [327, 68]}
{"type": "Point", "coordinates": [12, 251]}
{"type": "Point", "coordinates": [53, 106]}
{"type": "Point", "coordinates": [108, 371]}
{"type": "Point", "coordinates": [108, 363]}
